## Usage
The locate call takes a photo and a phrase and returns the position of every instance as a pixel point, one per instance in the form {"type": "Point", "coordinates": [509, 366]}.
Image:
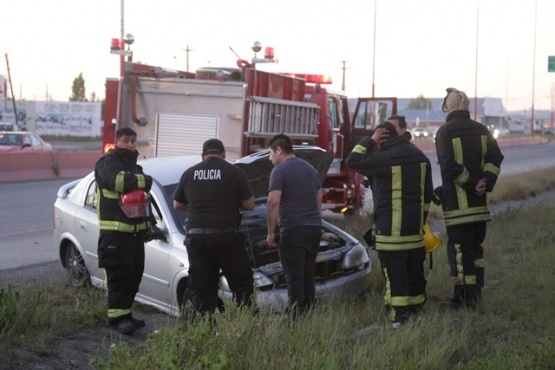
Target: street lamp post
{"type": "Point", "coordinates": [476, 64]}
{"type": "Point", "coordinates": [532, 122]}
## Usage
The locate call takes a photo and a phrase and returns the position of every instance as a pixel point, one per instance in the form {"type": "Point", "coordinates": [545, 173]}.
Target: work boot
{"type": "Point", "coordinates": [463, 297]}
{"type": "Point", "coordinates": [137, 323]}
{"type": "Point", "coordinates": [124, 325]}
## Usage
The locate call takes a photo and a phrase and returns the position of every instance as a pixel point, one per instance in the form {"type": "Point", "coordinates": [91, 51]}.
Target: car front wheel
{"type": "Point", "coordinates": [76, 269]}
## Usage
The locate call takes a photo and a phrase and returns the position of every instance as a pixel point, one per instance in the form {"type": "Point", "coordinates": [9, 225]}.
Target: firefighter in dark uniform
{"type": "Point", "coordinates": [213, 193]}
{"type": "Point", "coordinates": [402, 189]}
{"type": "Point", "coordinates": [123, 216]}
{"type": "Point", "coordinates": [470, 162]}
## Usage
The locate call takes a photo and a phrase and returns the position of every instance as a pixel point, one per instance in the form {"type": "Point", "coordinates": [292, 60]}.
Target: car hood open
{"type": "Point", "coordinates": [258, 166]}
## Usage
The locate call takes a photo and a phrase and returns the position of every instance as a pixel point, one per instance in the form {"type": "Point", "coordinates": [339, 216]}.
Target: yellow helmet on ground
{"type": "Point", "coordinates": [432, 241]}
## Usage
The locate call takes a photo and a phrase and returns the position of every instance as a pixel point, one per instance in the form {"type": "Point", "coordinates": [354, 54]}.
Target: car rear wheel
{"type": "Point", "coordinates": [75, 267]}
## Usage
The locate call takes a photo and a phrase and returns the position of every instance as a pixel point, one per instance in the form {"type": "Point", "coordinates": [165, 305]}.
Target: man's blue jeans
{"type": "Point", "coordinates": [298, 248]}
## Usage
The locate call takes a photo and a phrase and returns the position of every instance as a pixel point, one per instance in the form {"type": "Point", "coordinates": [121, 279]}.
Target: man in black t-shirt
{"type": "Point", "coordinates": [213, 192]}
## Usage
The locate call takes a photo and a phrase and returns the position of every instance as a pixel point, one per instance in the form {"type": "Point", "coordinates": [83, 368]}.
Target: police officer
{"type": "Point", "coordinates": [213, 193]}
{"type": "Point", "coordinates": [121, 249]}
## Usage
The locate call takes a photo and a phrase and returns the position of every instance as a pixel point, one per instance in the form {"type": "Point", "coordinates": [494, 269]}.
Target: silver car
{"type": "Point", "coordinates": [343, 263]}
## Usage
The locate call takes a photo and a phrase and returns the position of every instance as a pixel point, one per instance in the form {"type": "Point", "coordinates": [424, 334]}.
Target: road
{"type": "Point", "coordinates": [26, 222]}
{"type": "Point", "coordinates": [26, 207]}
{"type": "Point", "coordinates": [518, 159]}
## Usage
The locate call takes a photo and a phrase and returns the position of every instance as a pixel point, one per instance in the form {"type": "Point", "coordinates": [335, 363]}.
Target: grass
{"type": "Point", "coordinates": [512, 329]}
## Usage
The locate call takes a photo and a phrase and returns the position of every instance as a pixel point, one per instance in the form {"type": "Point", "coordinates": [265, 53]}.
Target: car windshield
{"type": "Point", "coordinates": [10, 139]}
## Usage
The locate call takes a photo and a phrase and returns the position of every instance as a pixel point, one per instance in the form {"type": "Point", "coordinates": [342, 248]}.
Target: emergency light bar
{"type": "Point", "coordinates": [311, 78]}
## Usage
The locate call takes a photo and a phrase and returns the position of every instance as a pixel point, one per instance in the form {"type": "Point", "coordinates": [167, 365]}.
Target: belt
{"type": "Point", "coordinates": [210, 230]}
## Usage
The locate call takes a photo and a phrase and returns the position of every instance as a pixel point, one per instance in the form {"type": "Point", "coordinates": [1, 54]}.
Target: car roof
{"type": "Point", "coordinates": [158, 167]}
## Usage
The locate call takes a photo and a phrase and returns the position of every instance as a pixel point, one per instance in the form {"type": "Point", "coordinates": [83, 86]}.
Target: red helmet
{"type": "Point", "coordinates": [135, 203]}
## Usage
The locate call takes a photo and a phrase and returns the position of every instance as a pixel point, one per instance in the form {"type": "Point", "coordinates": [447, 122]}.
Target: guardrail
{"type": "Point", "coordinates": [25, 166]}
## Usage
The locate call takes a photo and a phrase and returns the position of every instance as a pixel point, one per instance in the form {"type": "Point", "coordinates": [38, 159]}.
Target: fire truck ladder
{"type": "Point", "coordinates": [268, 117]}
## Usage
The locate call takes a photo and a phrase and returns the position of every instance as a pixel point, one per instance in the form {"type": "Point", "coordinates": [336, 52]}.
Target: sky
{"type": "Point", "coordinates": [405, 48]}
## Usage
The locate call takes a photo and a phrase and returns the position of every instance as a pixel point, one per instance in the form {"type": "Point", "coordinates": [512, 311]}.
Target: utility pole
{"type": "Point", "coordinates": [343, 80]}
{"type": "Point", "coordinates": [532, 119]}
{"type": "Point", "coordinates": [11, 88]}
{"type": "Point", "coordinates": [476, 63]}
{"type": "Point", "coordinates": [187, 50]}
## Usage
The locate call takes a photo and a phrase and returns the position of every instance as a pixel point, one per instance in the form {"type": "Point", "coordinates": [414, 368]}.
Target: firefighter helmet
{"type": "Point", "coordinates": [135, 203]}
{"type": "Point", "coordinates": [432, 241]}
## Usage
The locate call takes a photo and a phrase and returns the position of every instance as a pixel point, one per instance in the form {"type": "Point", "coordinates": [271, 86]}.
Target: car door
{"type": "Point", "coordinates": [157, 283]}
{"type": "Point", "coordinates": [86, 230]}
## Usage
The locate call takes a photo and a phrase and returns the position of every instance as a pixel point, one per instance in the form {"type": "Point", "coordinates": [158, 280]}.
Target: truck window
{"type": "Point", "coordinates": [333, 113]}
{"type": "Point", "coordinates": [362, 119]}
{"type": "Point", "coordinates": [371, 113]}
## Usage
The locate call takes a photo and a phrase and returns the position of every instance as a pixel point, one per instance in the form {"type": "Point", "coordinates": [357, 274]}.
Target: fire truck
{"type": "Point", "coordinates": [174, 112]}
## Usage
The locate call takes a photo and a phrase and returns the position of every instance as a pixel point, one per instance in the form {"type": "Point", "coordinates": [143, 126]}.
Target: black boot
{"type": "Point", "coordinates": [480, 281]}
{"type": "Point", "coordinates": [122, 324]}
{"type": "Point", "coordinates": [457, 301]}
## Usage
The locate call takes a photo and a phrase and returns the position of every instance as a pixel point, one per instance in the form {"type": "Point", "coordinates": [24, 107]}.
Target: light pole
{"type": "Point", "coordinates": [374, 52]}
{"type": "Point", "coordinates": [534, 71]}
{"type": "Point", "coordinates": [476, 64]}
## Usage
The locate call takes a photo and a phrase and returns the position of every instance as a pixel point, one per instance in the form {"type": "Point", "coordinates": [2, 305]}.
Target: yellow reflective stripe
{"type": "Point", "coordinates": [396, 200]}
{"type": "Point", "coordinates": [467, 219]}
{"type": "Point", "coordinates": [474, 214]}
{"type": "Point", "coordinates": [387, 293]}
{"type": "Point", "coordinates": [395, 243]}
{"type": "Point", "coordinates": [459, 158]}
{"type": "Point", "coordinates": [463, 177]}
{"type": "Point", "coordinates": [467, 211]}
{"type": "Point", "coordinates": [459, 279]}
{"type": "Point", "coordinates": [140, 181]}
{"type": "Point", "coordinates": [417, 299]}
{"type": "Point", "coordinates": [426, 208]}
{"type": "Point", "coordinates": [489, 167]}
{"type": "Point", "coordinates": [470, 279]}
{"type": "Point", "coordinates": [479, 263]}
{"type": "Point", "coordinates": [106, 193]}
{"type": "Point", "coordinates": [120, 182]}
{"type": "Point", "coordinates": [114, 313]}
{"type": "Point", "coordinates": [123, 227]}
{"type": "Point", "coordinates": [400, 301]}
{"type": "Point", "coordinates": [397, 247]}
{"type": "Point", "coordinates": [462, 199]}
{"type": "Point", "coordinates": [360, 149]}
{"type": "Point", "coordinates": [399, 239]}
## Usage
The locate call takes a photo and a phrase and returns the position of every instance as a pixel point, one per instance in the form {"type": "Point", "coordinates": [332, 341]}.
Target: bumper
{"type": "Point", "coordinates": [340, 288]}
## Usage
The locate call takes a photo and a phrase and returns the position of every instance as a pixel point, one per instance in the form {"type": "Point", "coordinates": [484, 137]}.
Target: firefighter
{"type": "Point", "coordinates": [470, 162]}
{"type": "Point", "coordinates": [400, 124]}
{"type": "Point", "coordinates": [124, 218]}
{"type": "Point", "coordinates": [402, 189]}
{"type": "Point", "coordinates": [213, 193]}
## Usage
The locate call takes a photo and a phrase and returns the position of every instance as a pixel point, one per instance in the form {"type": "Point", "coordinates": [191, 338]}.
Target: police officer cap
{"type": "Point", "coordinates": [213, 145]}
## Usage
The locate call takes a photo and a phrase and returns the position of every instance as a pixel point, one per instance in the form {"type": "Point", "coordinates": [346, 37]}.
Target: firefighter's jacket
{"type": "Point", "coordinates": [402, 188]}
{"type": "Point", "coordinates": [467, 152]}
{"type": "Point", "coordinates": [118, 172]}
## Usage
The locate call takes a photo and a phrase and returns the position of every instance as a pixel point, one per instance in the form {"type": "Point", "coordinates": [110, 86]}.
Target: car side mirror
{"type": "Point", "coordinates": [156, 234]}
